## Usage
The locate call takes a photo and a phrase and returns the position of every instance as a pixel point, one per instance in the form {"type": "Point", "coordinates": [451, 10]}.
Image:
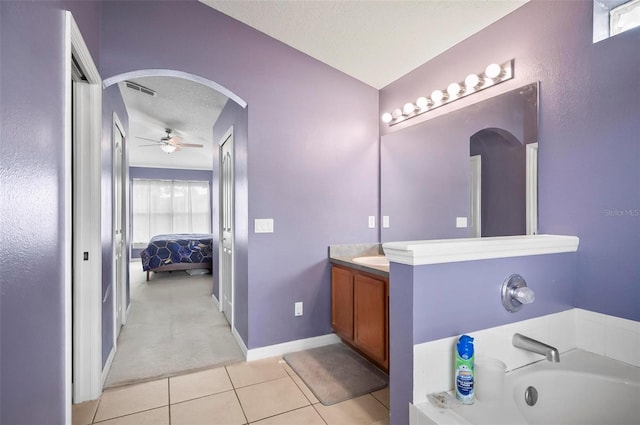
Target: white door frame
{"type": "Point", "coordinates": [119, 292]}
{"type": "Point", "coordinates": [532, 188]}
{"type": "Point", "coordinates": [227, 136]}
{"type": "Point", "coordinates": [83, 336]}
{"type": "Point", "coordinates": [475, 172]}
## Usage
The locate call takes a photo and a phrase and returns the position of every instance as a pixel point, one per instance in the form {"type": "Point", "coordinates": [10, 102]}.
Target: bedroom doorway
{"type": "Point", "coordinates": [174, 321]}
{"type": "Point", "coordinates": [226, 225]}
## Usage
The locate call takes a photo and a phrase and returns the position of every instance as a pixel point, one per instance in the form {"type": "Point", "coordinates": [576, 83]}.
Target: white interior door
{"type": "Point", "coordinates": [118, 226]}
{"type": "Point", "coordinates": [226, 226]}
{"type": "Point", "coordinates": [475, 173]}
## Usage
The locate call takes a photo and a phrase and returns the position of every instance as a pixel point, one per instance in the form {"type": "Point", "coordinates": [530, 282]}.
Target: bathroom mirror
{"type": "Point", "coordinates": [468, 173]}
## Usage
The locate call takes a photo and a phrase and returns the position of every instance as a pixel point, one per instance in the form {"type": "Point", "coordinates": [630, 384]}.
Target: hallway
{"type": "Point", "coordinates": [173, 327]}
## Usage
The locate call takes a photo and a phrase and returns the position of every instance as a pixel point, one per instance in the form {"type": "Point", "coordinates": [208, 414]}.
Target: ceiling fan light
{"type": "Point", "coordinates": [168, 148]}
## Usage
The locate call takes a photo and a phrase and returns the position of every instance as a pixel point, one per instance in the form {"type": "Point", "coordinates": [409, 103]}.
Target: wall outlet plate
{"type": "Point", "coordinates": [461, 222]}
{"type": "Point", "coordinates": [372, 222]}
{"type": "Point", "coordinates": [263, 225]}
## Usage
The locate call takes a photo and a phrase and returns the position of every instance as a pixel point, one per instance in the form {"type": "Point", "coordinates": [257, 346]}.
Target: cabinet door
{"type": "Point", "coordinates": [370, 320]}
{"type": "Point", "coordinates": [342, 302]}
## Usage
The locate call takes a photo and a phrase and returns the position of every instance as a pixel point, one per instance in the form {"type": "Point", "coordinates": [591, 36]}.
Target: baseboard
{"type": "Point", "coordinates": [107, 366]}
{"type": "Point", "coordinates": [290, 347]}
{"type": "Point", "coordinates": [239, 340]}
{"type": "Point", "coordinates": [215, 301]}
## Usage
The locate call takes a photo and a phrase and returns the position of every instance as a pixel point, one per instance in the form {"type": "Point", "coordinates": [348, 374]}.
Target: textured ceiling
{"type": "Point", "coordinates": [376, 42]}
{"type": "Point", "coordinates": [189, 109]}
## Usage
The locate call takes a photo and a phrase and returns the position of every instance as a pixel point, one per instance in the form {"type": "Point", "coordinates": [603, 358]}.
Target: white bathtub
{"type": "Point", "coordinates": [584, 388]}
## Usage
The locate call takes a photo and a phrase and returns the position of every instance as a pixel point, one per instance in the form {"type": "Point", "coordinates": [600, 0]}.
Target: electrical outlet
{"type": "Point", "coordinates": [461, 222]}
{"type": "Point", "coordinates": [298, 309]}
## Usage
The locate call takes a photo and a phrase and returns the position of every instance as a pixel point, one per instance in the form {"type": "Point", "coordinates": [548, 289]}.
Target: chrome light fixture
{"type": "Point", "coordinates": [493, 74]}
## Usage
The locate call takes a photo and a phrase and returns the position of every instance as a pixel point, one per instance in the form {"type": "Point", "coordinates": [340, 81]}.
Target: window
{"type": "Point", "coordinates": [169, 206]}
{"type": "Point", "coordinates": [611, 17]}
{"type": "Point", "coordinates": [624, 17]}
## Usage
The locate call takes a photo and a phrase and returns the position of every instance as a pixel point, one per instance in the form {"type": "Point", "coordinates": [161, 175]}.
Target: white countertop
{"type": "Point", "coordinates": [437, 251]}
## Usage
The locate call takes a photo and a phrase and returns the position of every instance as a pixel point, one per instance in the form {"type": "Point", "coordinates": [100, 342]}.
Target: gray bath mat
{"type": "Point", "coordinates": [335, 373]}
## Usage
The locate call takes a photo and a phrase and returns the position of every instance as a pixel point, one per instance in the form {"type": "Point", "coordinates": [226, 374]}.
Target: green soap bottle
{"type": "Point", "coordinates": [464, 374]}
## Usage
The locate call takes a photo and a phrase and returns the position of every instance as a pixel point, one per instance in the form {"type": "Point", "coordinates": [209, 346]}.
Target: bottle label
{"type": "Point", "coordinates": [464, 381]}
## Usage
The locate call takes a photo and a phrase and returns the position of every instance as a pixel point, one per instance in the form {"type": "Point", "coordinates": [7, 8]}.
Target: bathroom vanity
{"type": "Point", "coordinates": [360, 305]}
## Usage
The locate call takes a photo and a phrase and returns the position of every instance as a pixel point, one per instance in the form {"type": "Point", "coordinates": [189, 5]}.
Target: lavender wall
{"type": "Point", "coordinates": [111, 102]}
{"type": "Point", "coordinates": [169, 174]}
{"type": "Point", "coordinates": [313, 170]}
{"type": "Point", "coordinates": [32, 170]}
{"type": "Point", "coordinates": [589, 179]}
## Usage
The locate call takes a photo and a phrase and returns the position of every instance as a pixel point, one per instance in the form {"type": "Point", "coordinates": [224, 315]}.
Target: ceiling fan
{"type": "Point", "coordinates": [169, 143]}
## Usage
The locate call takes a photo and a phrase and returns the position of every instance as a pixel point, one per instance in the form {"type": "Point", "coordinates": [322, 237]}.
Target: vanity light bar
{"type": "Point", "coordinates": [473, 83]}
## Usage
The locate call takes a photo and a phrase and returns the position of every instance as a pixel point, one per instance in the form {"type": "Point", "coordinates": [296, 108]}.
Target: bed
{"type": "Point", "coordinates": [184, 251]}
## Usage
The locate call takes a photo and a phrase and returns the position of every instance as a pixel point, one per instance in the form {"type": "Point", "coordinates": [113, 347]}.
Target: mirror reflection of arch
{"type": "Point", "coordinates": [499, 173]}
{"type": "Point", "coordinates": [426, 173]}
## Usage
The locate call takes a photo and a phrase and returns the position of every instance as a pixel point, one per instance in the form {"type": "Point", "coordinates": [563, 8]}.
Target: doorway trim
{"type": "Point", "coordinates": [119, 292]}
{"type": "Point", "coordinates": [83, 336]}
{"type": "Point", "coordinates": [228, 137]}
{"type": "Point", "coordinates": [532, 188]}
{"type": "Point", "coordinates": [476, 196]}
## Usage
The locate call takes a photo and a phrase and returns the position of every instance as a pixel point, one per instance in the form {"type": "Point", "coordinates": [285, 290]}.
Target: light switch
{"type": "Point", "coordinates": [461, 222]}
{"type": "Point", "coordinates": [372, 222]}
{"type": "Point", "coordinates": [298, 309]}
{"type": "Point", "coordinates": [263, 225]}
{"type": "Point", "coordinates": [385, 221]}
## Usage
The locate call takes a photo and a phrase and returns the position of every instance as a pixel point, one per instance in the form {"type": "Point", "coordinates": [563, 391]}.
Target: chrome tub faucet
{"type": "Point", "coordinates": [551, 353]}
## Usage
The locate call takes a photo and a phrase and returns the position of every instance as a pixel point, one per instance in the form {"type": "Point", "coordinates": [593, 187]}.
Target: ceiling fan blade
{"type": "Point", "coordinates": [190, 145]}
{"type": "Point", "coordinates": [151, 140]}
{"type": "Point", "coordinates": [145, 146]}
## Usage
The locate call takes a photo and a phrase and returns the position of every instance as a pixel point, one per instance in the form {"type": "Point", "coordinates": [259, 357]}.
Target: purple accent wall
{"type": "Point", "coordinates": [32, 213]}
{"type": "Point", "coordinates": [32, 170]}
{"type": "Point", "coordinates": [169, 174]}
{"type": "Point", "coordinates": [111, 102]}
{"type": "Point", "coordinates": [310, 167]}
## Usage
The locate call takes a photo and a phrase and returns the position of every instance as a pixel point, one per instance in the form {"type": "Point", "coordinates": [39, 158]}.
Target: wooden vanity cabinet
{"type": "Point", "coordinates": [360, 312]}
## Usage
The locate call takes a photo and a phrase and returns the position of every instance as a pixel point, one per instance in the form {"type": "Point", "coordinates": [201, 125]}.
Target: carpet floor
{"type": "Point", "coordinates": [336, 373]}
{"type": "Point", "coordinates": [173, 327]}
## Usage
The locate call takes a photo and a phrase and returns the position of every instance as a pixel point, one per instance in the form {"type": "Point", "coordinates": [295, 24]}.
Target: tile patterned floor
{"type": "Point", "coordinates": [265, 392]}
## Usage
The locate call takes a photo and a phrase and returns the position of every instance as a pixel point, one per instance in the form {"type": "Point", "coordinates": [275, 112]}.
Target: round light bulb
{"type": "Point", "coordinates": [493, 71]}
{"type": "Point", "coordinates": [472, 81]}
{"type": "Point", "coordinates": [408, 108]}
{"type": "Point", "coordinates": [454, 89]}
{"type": "Point", "coordinates": [437, 96]}
{"type": "Point", "coordinates": [387, 117]}
{"type": "Point", "coordinates": [397, 113]}
{"type": "Point", "coordinates": [422, 102]}
{"type": "Point", "coordinates": [168, 148]}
